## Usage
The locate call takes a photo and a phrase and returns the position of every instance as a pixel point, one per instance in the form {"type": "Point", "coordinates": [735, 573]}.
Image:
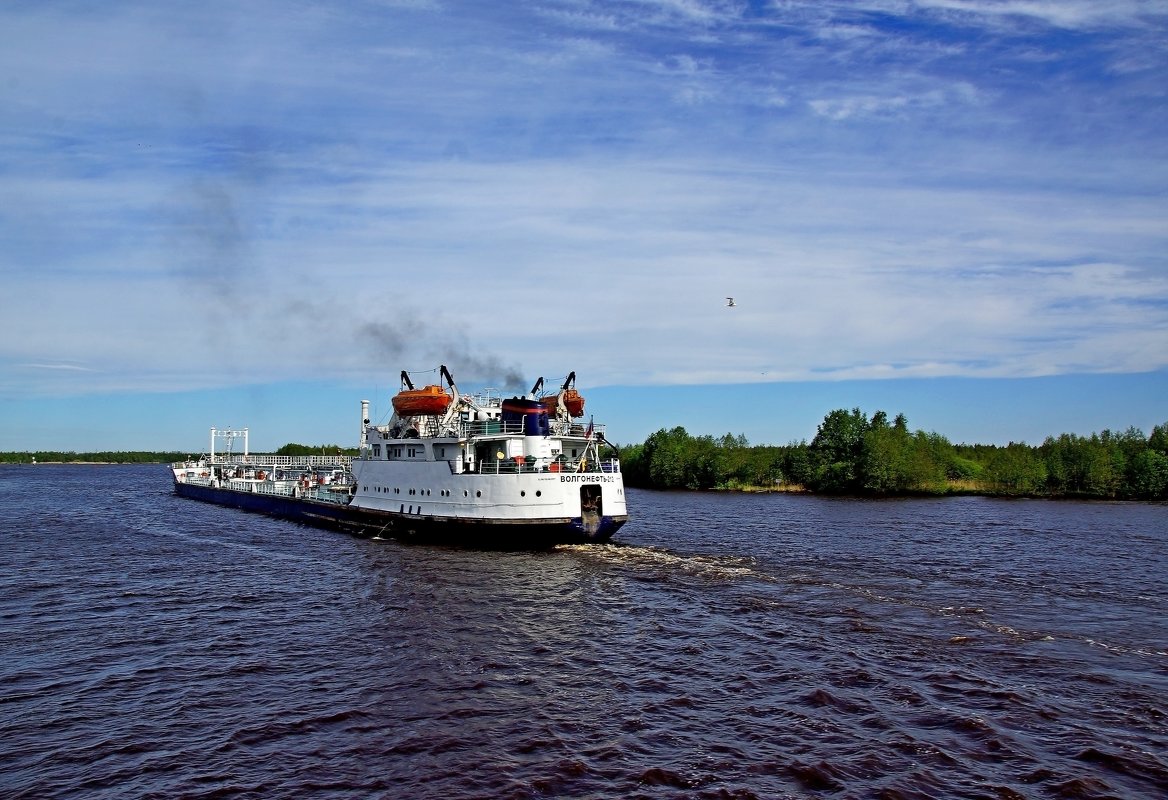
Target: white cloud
{"type": "Point", "coordinates": [64, 367]}
{"type": "Point", "coordinates": [701, 11]}
{"type": "Point", "coordinates": [1061, 13]}
{"type": "Point", "coordinates": [1070, 14]}
{"type": "Point", "coordinates": [219, 195]}
{"type": "Point", "coordinates": [844, 108]}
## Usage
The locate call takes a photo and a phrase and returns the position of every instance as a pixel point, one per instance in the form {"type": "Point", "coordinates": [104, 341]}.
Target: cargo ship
{"type": "Point", "coordinates": [475, 469]}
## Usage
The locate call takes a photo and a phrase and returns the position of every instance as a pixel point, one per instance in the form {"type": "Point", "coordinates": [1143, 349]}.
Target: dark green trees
{"type": "Point", "coordinates": [293, 449]}
{"type": "Point", "coordinates": [857, 455]}
{"type": "Point", "coordinates": [1107, 464]}
{"type": "Point", "coordinates": [837, 452]}
{"type": "Point", "coordinates": [101, 457]}
{"type": "Point", "coordinates": [672, 459]}
{"type": "Point", "coordinates": [1014, 470]}
{"type": "Point", "coordinates": [854, 455]}
{"type": "Point", "coordinates": [1149, 475]}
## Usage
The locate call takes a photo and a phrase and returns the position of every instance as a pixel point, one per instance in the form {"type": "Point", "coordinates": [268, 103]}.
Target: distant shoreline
{"type": "Point", "coordinates": [956, 489]}
{"type": "Point", "coordinates": [78, 463]}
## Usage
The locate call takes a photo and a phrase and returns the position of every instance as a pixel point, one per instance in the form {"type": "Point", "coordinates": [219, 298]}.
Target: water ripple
{"type": "Point", "coordinates": [725, 647]}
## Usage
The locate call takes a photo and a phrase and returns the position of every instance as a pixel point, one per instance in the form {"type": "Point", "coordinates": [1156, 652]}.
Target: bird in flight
{"type": "Point", "coordinates": [730, 302]}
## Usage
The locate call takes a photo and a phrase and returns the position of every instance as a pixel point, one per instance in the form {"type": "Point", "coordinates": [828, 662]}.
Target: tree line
{"type": "Point", "coordinates": [97, 457]}
{"type": "Point", "coordinates": [293, 449]}
{"type": "Point", "coordinates": [151, 457]}
{"type": "Point", "coordinates": [851, 454]}
{"type": "Point", "coordinates": [854, 454]}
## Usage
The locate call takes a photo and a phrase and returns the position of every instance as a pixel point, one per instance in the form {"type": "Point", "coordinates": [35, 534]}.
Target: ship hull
{"type": "Point", "coordinates": [475, 470]}
{"type": "Point", "coordinates": [493, 534]}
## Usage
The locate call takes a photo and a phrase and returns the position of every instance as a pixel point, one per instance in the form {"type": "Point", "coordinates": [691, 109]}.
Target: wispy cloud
{"type": "Point", "coordinates": [208, 195]}
{"type": "Point", "coordinates": [66, 367]}
{"type": "Point", "coordinates": [1071, 14]}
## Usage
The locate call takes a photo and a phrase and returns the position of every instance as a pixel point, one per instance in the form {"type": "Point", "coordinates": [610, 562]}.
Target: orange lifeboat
{"type": "Point", "coordinates": [573, 401]}
{"type": "Point", "coordinates": [428, 400]}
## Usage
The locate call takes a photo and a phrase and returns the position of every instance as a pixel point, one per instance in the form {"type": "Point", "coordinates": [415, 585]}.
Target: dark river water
{"type": "Point", "coordinates": [730, 646]}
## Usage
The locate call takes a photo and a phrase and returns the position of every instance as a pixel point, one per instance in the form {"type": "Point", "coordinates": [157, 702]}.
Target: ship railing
{"type": "Point", "coordinates": [513, 466]}
{"type": "Point", "coordinates": [577, 429]}
{"type": "Point", "coordinates": [282, 489]}
{"type": "Point", "coordinates": [187, 473]}
{"type": "Point", "coordinates": [270, 460]}
{"type": "Point", "coordinates": [495, 427]}
{"type": "Point", "coordinates": [491, 427]}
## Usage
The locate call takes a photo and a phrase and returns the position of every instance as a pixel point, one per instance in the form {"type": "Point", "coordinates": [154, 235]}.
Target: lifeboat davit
{"type": "Point", "coordinates": [428, 400]}
{"type": "Point", "coordinates": [573, 401]}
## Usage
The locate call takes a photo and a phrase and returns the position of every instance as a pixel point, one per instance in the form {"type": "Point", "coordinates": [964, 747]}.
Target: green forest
{"type": "Point", "coordinates": [853, 454]}
{"type": "Point", "coordinates": [151, 457]}
{"type": "Point", "coordinates": [100, 457]}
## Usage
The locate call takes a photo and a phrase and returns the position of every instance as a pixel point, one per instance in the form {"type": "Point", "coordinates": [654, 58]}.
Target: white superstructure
{"type": "Point", "coordinates": [475, 469]}
{"type": "Point", "coordinates": [488, 460]}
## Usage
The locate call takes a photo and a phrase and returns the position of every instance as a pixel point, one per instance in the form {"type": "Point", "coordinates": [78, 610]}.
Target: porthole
{"type": "Point", "coordinates": [479, 493]}
{"type": "Point", "coordinates": [538, 493]}
{"type": "Point", "coordinates": [522, 494]}
{"type": "Point", "coordinates": [465, 493]}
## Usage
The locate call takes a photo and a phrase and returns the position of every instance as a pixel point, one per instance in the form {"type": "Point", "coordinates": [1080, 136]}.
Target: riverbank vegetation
{"type": "Point", "coordinates": [149, 457]}
{"type": "Point", "coordinates": [317, 450]}
{"type": "Point", "coordinates": [100, 457]}
{"type": "Point", "coordinates": [853, 454]}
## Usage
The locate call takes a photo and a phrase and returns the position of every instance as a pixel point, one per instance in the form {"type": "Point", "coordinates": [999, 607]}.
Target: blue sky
{"type": "Point", "coordinates": [258, 214]}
